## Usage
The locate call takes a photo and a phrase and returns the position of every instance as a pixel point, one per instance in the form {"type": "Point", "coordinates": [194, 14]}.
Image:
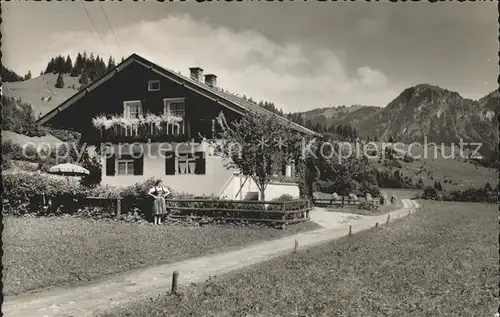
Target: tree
{"type": "Point", "coordinates": [78, 66]}
{"type": "Point", "coordinates": [391, 139]}
{"type": "Point", "coordinates": [50, 66]}
{"type": "Point", "coordinates": [92, 164]}
{"type": "Point", "coordinates": [111, 64]}
{"type": "Point", "coordinates": [258, 146]}
{"type": "Point", "coordinates": [28, 75]}
{"type": "Point", "coordinates": [68, 65]}
{"type": "Point", "coordinates": [60, 81]}
{"type": "Point", "coordinates": [59, 65]}
{"type": "Point", "coordinates": [84, 80]}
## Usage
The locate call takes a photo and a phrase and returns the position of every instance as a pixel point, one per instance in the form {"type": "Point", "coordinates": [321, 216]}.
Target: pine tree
{"type": "Point", "coordinates": [78, 66]}
{"type": "Point", "coordinates": [50, 66]}
{"type": "Point", "coordinates": [59, 67]}
{"type": "Point", "coordinates": [74, 72]}
{"type": "Point", "coordinates": [60, 81]}
{"type": "Point", "coordinates": [28, 75]}
{"type": "Point", "coordinates": [100, 67]}
{"type": "Point", "coordinates": [111, 64]}
{"type": "Point", "coordinates": [84, 80]}
{"type": "Point", "coordinates": [68, 65]}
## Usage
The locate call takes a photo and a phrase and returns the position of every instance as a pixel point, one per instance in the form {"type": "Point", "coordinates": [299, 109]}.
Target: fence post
{"type": "Point", "coordinates": [388, 218]}
{"type": "Point", "coordinates": [376, 225]}
{"type": "Point", "coordinates": [118, 206]}
{"type": "Point", "coordinates": [342, 201]}
{"type": "Point", "coordinates": [350, 229]}
{"type": "Point", "coordinates": [175, 278]}
{"type": "Point", "coordinates": [283, 216]}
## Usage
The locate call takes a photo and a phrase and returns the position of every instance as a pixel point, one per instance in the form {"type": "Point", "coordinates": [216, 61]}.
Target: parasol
{"type": "Point", "coordinates": [68, 169]}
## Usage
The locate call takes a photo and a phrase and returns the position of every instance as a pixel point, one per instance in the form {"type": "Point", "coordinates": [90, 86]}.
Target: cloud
{"type": "Point", "coordinates": [294, 77]}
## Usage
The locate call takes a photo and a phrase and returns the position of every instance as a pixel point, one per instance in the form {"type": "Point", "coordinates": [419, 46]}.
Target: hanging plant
{"type": "Point", "coordinates": [154, 120]}
{"type": "Point", "coordinates": [157, 120]}
{"type": "Point", "coordinates": [99, 121]}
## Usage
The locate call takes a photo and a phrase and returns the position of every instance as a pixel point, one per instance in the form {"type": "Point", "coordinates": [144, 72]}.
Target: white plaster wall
{"type": "Point", "coordinates": [273, 190]}
{"type": "Point", "coordinates": [210, 183]}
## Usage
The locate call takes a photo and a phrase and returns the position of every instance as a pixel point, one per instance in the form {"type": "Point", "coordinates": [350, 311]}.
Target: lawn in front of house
{"type": "Point", "coordinates": [40, 252]}
{"type": "Point", "coordinates": [441, 261]}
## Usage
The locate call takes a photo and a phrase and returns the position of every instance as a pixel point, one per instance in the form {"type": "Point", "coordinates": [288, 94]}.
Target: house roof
{"type": "Point", "coordinates": [228, 100]}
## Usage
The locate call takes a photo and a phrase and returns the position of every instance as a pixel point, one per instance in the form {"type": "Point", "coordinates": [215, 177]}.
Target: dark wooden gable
{"type": "Point", "coordinates": [131, 83]}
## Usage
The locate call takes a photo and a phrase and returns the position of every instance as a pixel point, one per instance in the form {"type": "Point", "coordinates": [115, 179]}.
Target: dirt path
{"type": "Point", "coordinates": [118, 290]}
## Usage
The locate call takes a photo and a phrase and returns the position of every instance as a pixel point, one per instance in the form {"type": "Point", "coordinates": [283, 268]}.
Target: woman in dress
{"type": "Point", "coordinates": [159, 192]}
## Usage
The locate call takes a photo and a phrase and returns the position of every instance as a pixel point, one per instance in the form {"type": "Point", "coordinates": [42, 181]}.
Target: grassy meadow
{"type": "Point", "coordinates": [442, 261]}
{"type": "Point", "coordinates": [56, 251]}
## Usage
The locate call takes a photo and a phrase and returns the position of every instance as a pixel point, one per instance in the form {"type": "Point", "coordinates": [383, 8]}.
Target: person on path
{"type": "Point", "coordinates": [159, 192]}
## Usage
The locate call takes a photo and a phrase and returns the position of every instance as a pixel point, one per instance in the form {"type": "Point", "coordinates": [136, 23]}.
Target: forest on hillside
{"type": "Point", "coordinates": [88, 67]}
{"type": "Point", "coordinates": [8, 75]}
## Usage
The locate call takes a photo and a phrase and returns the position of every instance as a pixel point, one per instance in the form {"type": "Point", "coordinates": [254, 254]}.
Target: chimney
{"type": "Point", "coordinates": [211, 80]}
{"type": "Point", "coordinates": [196, 73]}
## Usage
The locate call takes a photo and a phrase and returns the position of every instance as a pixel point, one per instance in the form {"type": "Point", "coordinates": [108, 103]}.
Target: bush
{"type": "Point", "coordinates": [383, 199]}
{"type": "Point", "coordinates": [370, 205]}
{"type": "Point", "coordinates": [407, 158]}
{"type": "Point", "coordinates": [438, 186]}
{"type": "Point", "coordinates": [284, 197]}
{"type": "Point", "coordinates": [394, 199]}
{"type": "Point", "coordinates": [430, 193]}
{"type": "Point", "coordinates": [368, 188]}
{"type": "Point", "coordinates": [392, 163]}
{"type": "Point", "coordinates": [24, 190]}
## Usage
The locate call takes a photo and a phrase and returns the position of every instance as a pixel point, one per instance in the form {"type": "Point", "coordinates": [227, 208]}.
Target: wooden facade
{"type": "Point", "coordinates": [131, 84]}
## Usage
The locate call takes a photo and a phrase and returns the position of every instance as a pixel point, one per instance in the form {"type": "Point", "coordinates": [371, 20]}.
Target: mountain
{"type": "Point", "coordinates": [423, 110]}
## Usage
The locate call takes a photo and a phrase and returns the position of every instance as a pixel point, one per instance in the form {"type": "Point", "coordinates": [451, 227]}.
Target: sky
{"type": "Point", "coordinates": [298, 55]}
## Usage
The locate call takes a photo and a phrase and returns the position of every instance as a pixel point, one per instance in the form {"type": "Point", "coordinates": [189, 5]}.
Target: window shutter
{"type": "Point", "coordinates": [169, 163]}
{"type": "Point", "coordinates": [139, 165]}
{"type": "Point", "coordinates": [200, 163]}
{"type": "Point", "coordinates": [283, 168]}
{"type": "Point", "coordinates": [110, 166]}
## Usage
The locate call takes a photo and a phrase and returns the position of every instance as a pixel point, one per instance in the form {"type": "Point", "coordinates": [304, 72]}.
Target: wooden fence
{"type": "Point", "coordinates": [279, 212]}
{"type": "Point", "coordinates": [330, 202]}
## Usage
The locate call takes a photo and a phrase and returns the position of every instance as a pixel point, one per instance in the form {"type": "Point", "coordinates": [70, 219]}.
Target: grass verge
{"type": "Point", "coordinates": [57, 251]}
{"type": "Point", "coordinates": [442, 261]}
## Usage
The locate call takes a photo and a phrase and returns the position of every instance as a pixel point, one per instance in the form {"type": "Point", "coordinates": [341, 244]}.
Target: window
{"type": "Point", "coordinates": [125, 164]}
{"type": "Point", "coordinates": [132, 109]}
{"type": "Point", "coordinates": [125, 167]}
{"type": "Point", "coordinates": [184, 163]}
{"type": "Point", "coordinates": [153, 85]}
{"type": "Point", "coordinates": [174, 107]}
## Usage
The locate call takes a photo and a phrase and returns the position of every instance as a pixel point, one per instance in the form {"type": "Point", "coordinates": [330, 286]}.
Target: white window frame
{"type": "Point", "coordinates": [181, 158]}
{"type": "Point", "coordinates": [127, 162]}
{"type": "Point", "coordinates": [153, 82]}
{"type": "Point", "coordinates": [126, 107]}
{"type": "Point", "coordinates": [168, 101]}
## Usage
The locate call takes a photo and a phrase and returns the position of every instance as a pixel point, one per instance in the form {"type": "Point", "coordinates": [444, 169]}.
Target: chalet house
{"type": "Point", "coordinates": [177, 114]}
